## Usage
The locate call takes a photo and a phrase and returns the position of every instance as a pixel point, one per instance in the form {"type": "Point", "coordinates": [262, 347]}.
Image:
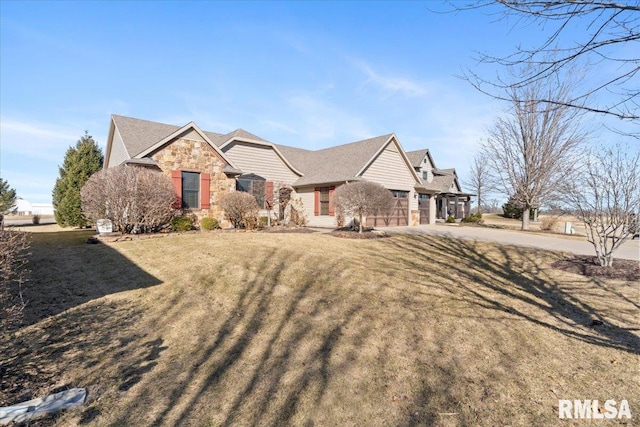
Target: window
{"type": "Point", "coordinates": [190, 190]}
{"type": "Point", "coordinates": [423, 196]}
{"type": "Point", "coordinates": [399, 194]}
{"type": "Point", "coordinates": [324, 201]}
{"type": "Point", "coordinates": [254, 186]}
{"type": "Point", "coordinates": [425, 175]}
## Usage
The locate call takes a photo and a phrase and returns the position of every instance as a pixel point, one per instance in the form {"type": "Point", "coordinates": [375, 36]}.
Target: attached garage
{"type": "Point", "coordinates": [399, 215]}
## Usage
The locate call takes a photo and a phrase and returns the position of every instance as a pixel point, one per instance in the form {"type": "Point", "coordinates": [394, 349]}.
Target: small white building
{"type": "Point", "coordinates": [42, 208]}
{"type": "Point", "coordinates": [23, 207]}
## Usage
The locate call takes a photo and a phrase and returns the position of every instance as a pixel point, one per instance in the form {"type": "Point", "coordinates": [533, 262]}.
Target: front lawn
{"type": "Point", "coordinates": [277, 329]}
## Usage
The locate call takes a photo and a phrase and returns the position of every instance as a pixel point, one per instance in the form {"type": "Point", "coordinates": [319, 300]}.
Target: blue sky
{"type": "Point", "coordinates": [306, 74]}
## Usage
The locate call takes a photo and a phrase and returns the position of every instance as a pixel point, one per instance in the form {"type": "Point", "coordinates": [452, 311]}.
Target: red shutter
{"type": "Point", "coordinates": [316, 202]}
{"type": "Point", "coordinates": [176, 178]}
{"type": "Point", "coordinates": [269, 194]}
{"type": "Point", "coordinates": [332, 211]}
{"type": "Point", "coordinates": [205, 186]}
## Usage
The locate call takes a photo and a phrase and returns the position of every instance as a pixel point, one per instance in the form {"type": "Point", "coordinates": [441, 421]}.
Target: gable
{"type": "Point", "coordinates": [188, 154]}
{"type": "Point", "coordinates": [259, 159]}
{"type": "Point", "coordinates": [390, 168]}
{"type": "Point", "coordinates": [116, 150]}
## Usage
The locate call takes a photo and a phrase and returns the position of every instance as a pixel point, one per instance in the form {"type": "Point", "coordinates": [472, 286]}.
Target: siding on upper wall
{"type": "Point", "coordinates": [426, 167]}
{"type": "Point", "coordinates": [307, 197]}
{"type": "Point", "coordinates": [390, 170]}
{"type": "Point", "coordinates": [118, 152]}
{"type": "Point", "coordinates": [192, 135]}
{"type": "Point", "coordinates": [260, 160]}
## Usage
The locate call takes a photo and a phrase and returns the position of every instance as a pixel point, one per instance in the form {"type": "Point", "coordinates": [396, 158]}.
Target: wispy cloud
{"type": "Point", "coordinates": [391, 85]}
{"type": "Point", "coordinates": [37, 140]}
{"type": "Point", "coordinates": [278, 126]}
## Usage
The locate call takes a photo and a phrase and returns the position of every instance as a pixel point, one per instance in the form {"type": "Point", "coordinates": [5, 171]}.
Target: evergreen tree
{"type": "Point", "coordinates": [80, 162]}
{"type": "Point", "coordinates": [7, 197]}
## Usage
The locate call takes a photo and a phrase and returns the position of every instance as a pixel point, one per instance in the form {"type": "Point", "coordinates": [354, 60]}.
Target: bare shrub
{"type": "Point", "coordinates": [296, 214]}
{"type": "Point", "coordinates": [605, 196]}
{"type": "Point", "coordinates": [240, 209]}
{"type": "Point", "coordinates": [14, 246]}
{"type": "Point", "coordinates": [549, 223]}
{"type": "Point", "coordinates": [362, 198]}
{"type": "Point", "coordinates": [135, 199]}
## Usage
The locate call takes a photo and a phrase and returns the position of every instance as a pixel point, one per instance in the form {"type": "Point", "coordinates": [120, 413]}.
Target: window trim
{"type": "Point", "coordinates": [190, 191]}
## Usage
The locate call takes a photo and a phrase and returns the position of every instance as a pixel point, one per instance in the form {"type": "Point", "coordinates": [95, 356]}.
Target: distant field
{"type": "Point", "coordinates": [232, 328]}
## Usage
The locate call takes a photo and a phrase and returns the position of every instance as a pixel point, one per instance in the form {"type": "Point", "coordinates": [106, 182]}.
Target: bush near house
{"type": "Point", "coordinates": [240, 209]}
{"type": "Point", "coordinates": [209, 223]}
{"type": "Point", "coordinates": [360, 199]}
{"type": "Point", "coordinates": [182, 223]}
{"type": "Point", "coordinates": [135, 199]}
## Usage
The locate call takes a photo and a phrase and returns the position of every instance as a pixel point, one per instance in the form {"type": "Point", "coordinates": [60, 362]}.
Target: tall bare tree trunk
{"type": "Point", "coordinates": [525, 218]}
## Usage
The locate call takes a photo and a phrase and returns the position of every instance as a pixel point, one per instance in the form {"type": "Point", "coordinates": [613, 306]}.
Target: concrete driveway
{"type": "Point", "coordinates": [629, 250]}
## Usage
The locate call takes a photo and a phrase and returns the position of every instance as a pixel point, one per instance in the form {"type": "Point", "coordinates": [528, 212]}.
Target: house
{"type": "Point", "coordinates": [203, 166]}
{"type": "Point", "coordinates": [450, 199]}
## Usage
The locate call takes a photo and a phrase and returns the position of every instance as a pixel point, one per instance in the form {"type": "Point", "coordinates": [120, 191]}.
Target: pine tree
{"type": "Point", "coordinates": [7, 197]}
{"type": "Point", "coordinates": [80, 162]}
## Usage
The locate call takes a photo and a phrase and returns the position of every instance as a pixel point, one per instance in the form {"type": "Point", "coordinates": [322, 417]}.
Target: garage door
{"type": "Point", "coordinates": [399, 214]}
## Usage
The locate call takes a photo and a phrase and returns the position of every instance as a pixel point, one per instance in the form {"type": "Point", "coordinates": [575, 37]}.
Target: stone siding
{"type": "Point", "coordinates": [415, 218]}
{"type": "Point", "coordinates": [198, 156]}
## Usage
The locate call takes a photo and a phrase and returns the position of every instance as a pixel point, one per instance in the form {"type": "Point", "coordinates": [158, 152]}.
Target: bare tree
{"type": "Point", "coordinates": [605, 195]}
{"type": "Point", "coordinates": [609, 31]}
{"type": "Point", "coordinates": [135, 199]}
{"type": "Point", "coordinates": [362, 198]}
{"type": "Point", "coordinates": [535, 145]}
{"type": "Point", "coordinates": [480, 177]}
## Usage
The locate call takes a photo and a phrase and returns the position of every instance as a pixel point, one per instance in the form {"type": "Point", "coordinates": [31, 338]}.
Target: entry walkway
{"type": "Point", "coordinates": [576, 245]}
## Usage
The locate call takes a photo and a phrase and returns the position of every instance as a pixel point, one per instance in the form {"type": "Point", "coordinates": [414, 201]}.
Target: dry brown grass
{"type": "Point", "coordinates": [546, 223]}
{"type": "Point", "coordinates": [307, 329]}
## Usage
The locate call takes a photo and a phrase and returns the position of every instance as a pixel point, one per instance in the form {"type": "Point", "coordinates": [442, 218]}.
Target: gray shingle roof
{"type": "Point", "coordinates": [241, 133]}
{"type": "Point", "coordinates": [340, 163]}
{"type": "Point", "coordinates": [415, 157]}
{"type": "Point", "coordinates": [298, 157]}
{"type": "Point", "coordinates": [138, 135]}
{"type": "Point", "coordinates": [334, 164]}
{"type": "Point", "coordinates": [450, 171]}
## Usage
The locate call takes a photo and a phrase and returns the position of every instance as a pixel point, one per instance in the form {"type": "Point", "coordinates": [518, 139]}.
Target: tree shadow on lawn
{"type": "Point", "coordinates": [67, 272]}
{"type": "Point", "coordinates": [528, 287]}
{"type": "Point", "coordinates": [515, 284]}
{"type": "Point", "coordinates": [73, 349]}
{"type": "Point", "coordinates": [306, 353]}
{"type": "Point", "coordinates": [61, 333]}
{"type": "Point", "coordinates": [272, 350]}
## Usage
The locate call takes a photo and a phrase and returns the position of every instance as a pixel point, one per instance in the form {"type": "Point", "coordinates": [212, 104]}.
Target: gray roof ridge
{"type": "Point", "coordinates": [362, 141]}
